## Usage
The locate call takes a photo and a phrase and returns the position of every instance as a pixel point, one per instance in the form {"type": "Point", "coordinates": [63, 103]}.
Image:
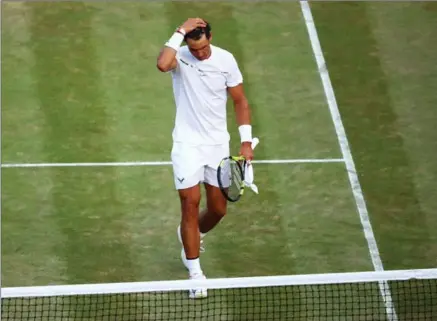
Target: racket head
{"type": "Point", "coordinates": [230, 177]}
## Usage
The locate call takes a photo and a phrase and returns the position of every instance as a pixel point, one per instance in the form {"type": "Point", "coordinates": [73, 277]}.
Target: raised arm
{"type": "Point", "coordinates": [167, 57]}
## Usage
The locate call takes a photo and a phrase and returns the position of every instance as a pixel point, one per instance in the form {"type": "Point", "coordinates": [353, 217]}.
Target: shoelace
{"type": "Point", "coordinates": [202, 248]}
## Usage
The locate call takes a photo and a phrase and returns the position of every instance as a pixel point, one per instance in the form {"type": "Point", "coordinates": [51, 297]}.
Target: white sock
{"type": "Point", "coordinates": [194, 266]}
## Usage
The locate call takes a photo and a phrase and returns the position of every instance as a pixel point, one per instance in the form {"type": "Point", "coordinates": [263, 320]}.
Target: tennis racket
{"type": "Point", "coordinates": [230, 175]}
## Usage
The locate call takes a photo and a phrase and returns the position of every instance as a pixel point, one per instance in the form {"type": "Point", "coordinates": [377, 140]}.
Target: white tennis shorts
{"type": "Point", "coordinates": [196, 164]}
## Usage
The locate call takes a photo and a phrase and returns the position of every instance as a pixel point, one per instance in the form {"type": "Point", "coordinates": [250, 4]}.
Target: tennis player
{"type": "Point", "coordinates": [203, 75]}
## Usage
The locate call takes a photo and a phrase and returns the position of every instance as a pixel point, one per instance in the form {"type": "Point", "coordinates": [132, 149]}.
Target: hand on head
{"type": "Point", "coordinates": [193, 23]}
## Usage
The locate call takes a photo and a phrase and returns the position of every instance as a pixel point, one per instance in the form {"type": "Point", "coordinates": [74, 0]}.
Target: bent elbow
{"type": "Point", "coordinates": [163, 66]}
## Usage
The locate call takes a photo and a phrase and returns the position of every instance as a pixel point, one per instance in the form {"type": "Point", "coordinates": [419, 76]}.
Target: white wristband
{"type": "Point", "coordinates": [245, 133]}
{"type": "Point", "coordinates": [175, 41]}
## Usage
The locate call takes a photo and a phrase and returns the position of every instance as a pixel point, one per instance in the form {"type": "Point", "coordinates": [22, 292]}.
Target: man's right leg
{"type": "Point", "coordinates": [188, 173]}
{"type": "Point", "coordinates": [189, 232]}
{"type": "Point", "coordinates": [190, 200]}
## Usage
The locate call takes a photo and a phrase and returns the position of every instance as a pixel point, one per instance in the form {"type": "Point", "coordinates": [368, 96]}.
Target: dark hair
{"type": "Point", "coordinates": [197, 33]}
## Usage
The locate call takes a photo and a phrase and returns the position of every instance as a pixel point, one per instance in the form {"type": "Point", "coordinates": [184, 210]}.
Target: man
{"type": "Point", "coordinates": [202, 76]}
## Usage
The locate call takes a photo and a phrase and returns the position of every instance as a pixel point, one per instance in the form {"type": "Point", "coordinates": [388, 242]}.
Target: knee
{"type": "Point", "coordinates": [190, 202]}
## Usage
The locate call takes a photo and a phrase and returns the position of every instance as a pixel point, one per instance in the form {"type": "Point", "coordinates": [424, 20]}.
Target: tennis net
{"type": "Point", "coordinates": [390, 295]}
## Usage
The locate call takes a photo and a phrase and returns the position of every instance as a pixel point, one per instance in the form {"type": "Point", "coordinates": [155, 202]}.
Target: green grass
{"type": "Point", "coordinates": [96, 95]}
{"type": "Point", "coordinates": [79, 84]}
{"type": "Point", "coordinates": [111, 225]}
{"type": "Point", "coordinates": [383, 74]}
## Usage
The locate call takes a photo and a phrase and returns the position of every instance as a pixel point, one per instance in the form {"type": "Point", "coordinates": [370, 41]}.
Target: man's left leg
{"type": "Point", "coordinates": [215, 208]}
{"type": "Point", "coordinates": [216, 203]}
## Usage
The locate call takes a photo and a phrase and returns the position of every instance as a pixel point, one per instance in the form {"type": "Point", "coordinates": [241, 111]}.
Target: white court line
{"type": "Point", "coordinates": [163, 163]}
{"type": "Point", "coordinates": [347, 155]}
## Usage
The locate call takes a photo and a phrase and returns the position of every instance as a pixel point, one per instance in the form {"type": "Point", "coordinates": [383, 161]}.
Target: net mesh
{"type": "Point", "coordinates": [410, 299]}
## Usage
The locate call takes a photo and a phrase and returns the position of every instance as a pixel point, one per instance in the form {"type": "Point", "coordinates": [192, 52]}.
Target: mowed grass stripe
{"type": "Point", "coordinates": [76, 118]}
{"type": "Point", "coordinates": [31, 238]}
{"type": "Point", "coordinates": [292, 118]}
{"type": "Point", "coordinates": [137, 97]}
{"type": "Point", "coordinates": [29, 257]}
{"type": "Point", "coordinates": [362, 91]}
{"type": "Point", "coordinates": [22, 122]}
{"type": "Point", "coordinates": [68, 83]}
{"type": "Point", "coordinates": [409, 63]}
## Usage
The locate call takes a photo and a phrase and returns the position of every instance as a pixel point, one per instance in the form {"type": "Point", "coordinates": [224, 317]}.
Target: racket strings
{"type": "Point", "coordinates": [232, 178]}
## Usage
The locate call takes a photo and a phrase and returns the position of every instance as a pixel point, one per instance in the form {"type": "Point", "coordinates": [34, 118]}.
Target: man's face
{"type": "Point", "coordinates": [200, 48]}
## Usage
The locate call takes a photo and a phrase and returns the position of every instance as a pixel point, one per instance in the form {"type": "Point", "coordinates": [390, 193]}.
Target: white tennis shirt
{"type": "Point", "coordinates": [200, 94]}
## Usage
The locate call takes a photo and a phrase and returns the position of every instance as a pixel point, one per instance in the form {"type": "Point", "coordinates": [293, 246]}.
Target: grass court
{"type": "Point", "coordinates": [80, 85]}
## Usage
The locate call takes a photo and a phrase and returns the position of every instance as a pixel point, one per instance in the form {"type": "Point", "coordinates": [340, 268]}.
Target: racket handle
{"type": "Point", "coordinates": [255, 142]}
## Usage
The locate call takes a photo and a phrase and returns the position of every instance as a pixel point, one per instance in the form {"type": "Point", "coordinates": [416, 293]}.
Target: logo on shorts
{"type": "Point", "coordinates": [181, 179]}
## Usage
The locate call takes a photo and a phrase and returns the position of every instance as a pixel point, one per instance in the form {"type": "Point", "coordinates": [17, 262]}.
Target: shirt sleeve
{"type": "Point", "coordinates": [234, 76]}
